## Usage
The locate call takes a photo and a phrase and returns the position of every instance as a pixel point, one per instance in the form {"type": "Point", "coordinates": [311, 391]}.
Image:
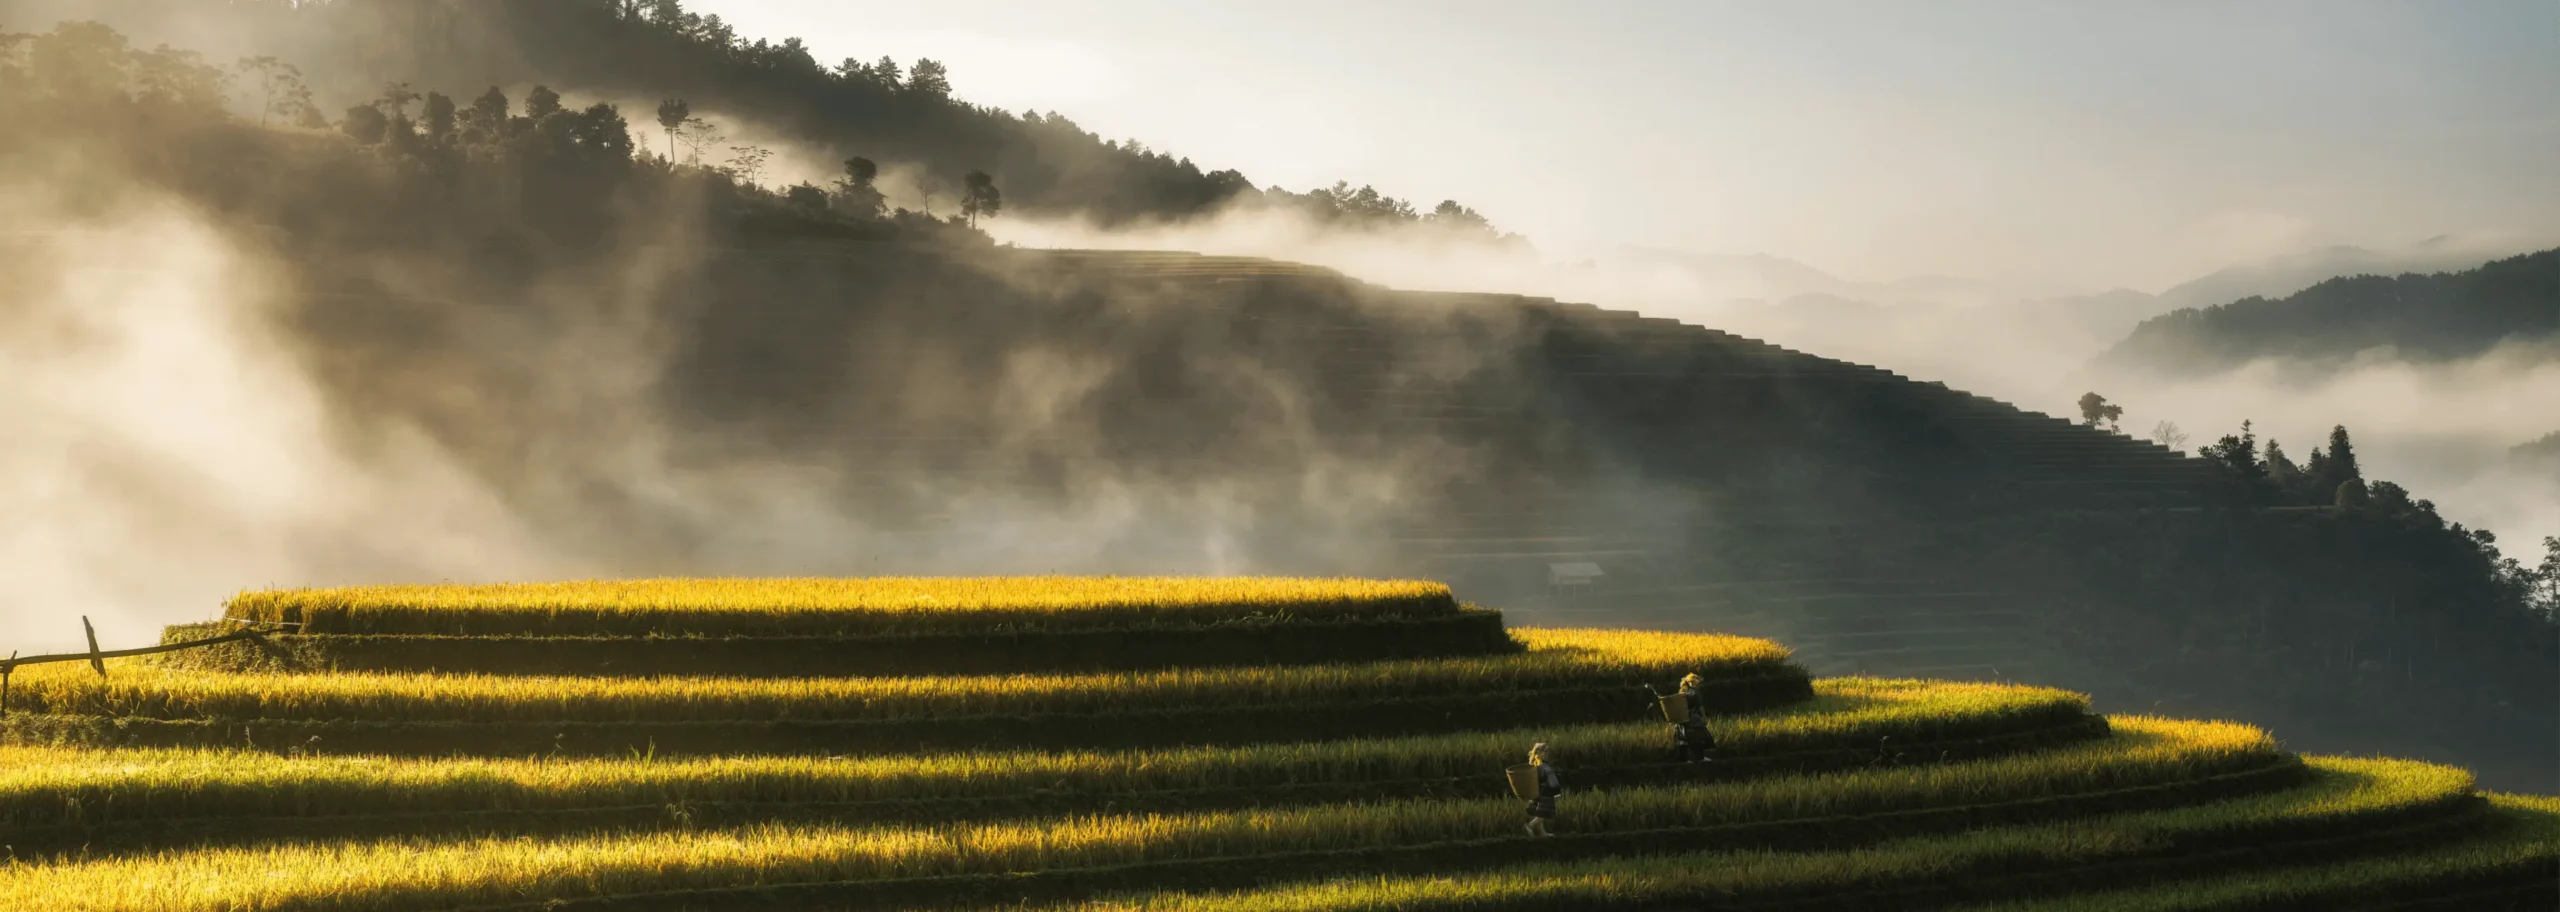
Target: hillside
{"type": "Point", "coordinates": [901, 114]}
{"type": "Point", "coordinates": [1333, 778]}
{"type": "Point", "coordinates": [766, 383]}
{"type": "Point", "coordinates": [2437, 317]}
{"type": "Point", "coordinates": [2543, 452]}
{"type": "Point", "coordinates": [2283, 276]}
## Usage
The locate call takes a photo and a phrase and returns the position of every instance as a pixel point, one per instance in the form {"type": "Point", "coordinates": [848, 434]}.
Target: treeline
{"type": "Point", "coordinates": [571, 175]}
{"type": "Point", "coordinates": [2331, 477]}
{"type": "Point", "coordinates": [906, 114]}
{"type": "Point", "coordinates": [2422, 317]}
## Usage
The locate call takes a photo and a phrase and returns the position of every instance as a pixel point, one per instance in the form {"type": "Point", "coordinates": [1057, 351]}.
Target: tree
{"type": "Point", "coordinates": [2544, 597]}
{"type": "Point", "coordinates": [2095, 409]}
{"type": "Point", "coordinates": [488, 114]}
{"type": "Point", "coordinates": [396, 97]}
{"type": "Point", "coordinates": [672, 113]}
{"type": "Point", "coordinates": [541, 102]}
{"type": "Point", "coordinates": [886, 71]}
{"type": "Point", "coordinates": [2281, 471]}
{"type": "Point", "coordinates": [927, 187]}
{"type": "Point", "coordinates": [805, 196]}
{"type": "Point", "coordinates": [2237, 455]}
{"type": "Point", "coordinates": [929, 79]}
{"type": "Point", "coordinates": [749, 161]}
{"type": "Point", "coordinates": [698, 136]}
{"type": "Point", "coordinates": [979, 197]}
{"type": "Point", "coordinates": [281, 90]}
{"type": "Point", "coordinates": [2352, 495]}
{"type": "Point", "coordinates": [365, 124]}
{"type": "Point", "coordinates": [1449, 216]}
{"type": "Point", "coordinates": [437, 116]}
{"type": "Point", "coordinates": [856, 190]}
{"type": "Point", "coordinates": [2168, 435]}
{"type": "Point", "coordinates": [2342, 455]}
{"type": "Point", "coordinates": [602, 135]}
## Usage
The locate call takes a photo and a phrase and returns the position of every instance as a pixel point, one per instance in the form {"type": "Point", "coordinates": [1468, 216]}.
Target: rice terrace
{"type": "Point", "coordinates": [265, 774]}
{"type": "Point", "coordinates": [558, 455]}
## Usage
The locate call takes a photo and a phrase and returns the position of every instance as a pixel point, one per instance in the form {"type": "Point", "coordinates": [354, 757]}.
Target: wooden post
{"type": "Point", "coordinates": [95, 661]}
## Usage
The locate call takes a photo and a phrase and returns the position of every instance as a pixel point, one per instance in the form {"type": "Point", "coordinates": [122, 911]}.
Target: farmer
{"type": "Point", "coordinates": [1693, 741]}
{"type": "Point", "coordinates": [1543, 807]}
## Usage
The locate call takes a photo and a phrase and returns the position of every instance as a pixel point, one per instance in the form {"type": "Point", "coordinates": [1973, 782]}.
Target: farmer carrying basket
{"type": "Point", "coordinates": [1537, 782]}
{"type": "Point", "coordinates": [1686, 711]}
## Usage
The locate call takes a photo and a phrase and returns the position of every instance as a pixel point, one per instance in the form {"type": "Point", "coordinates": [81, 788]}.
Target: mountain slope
{"type": "Point", "coordinates": [2419, 317]}
{"type": "Point", "coordinates": [659, 372]}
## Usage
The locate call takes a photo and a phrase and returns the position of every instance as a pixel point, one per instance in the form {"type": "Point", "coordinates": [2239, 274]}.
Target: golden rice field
{"type": "Point", "coordinates": [2523, 847]}
{"type": "Point", "coordinates": [2341, 790]}
{"type": "Point", "coordinates": [55, 786]}
{"type": "Point", "coordinates": [415, 874]}
{"type": "Point", "coordinates": [833, 607]}
{"type": "Point", "coordinates": [1175, 781]}
{"type": "Point", "coordinates": [1554, 660]}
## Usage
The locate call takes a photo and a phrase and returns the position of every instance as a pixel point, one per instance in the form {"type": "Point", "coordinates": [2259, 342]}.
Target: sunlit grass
{"type": "Point", "coordinates": [46, 786]}
{"type": "Point", "coordinates": [834, 607]}
{"type": "Point", "coordinates": [424, 874]}
{"type": "Point", "coordinates": [2341, 791]}
{"type": "Point", "coordinates": [2529, 835]}
{"type": "Point", "coordinates": [1555, 659]}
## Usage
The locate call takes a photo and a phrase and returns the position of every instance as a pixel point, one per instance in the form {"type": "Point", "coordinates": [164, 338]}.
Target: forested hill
{"type": "Point", "coordinates": [2542, 452]}
{"type": "Point", "coordinates": [895, 113]}
{"type": "Point", "coordinates": [2421, 317]}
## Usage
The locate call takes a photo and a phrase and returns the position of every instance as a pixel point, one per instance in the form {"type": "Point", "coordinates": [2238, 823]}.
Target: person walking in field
{"type": "Point", "coordinates": [1690, 736]}
{"type": "Point", "coordinates": [1541, 787]}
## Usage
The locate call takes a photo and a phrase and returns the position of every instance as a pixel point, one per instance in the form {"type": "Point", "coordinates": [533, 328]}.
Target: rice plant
{"type": "Point", "coordinates": [423, 874]}
{"type": "Point", "coordinates": [1554, 660]}
{"type": "Point", "coordinates": [2341, 792]}
{"type": "Point", "coordinates": [2521, 850]}
{"type": "Point", "coordinates": [833, 607]}
{"type": "Point", "coordinates": [52, 786]}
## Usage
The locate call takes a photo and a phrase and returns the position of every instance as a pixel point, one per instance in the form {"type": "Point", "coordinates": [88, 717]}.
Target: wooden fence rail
{"type": "Point", "coordinates": [97, 657]}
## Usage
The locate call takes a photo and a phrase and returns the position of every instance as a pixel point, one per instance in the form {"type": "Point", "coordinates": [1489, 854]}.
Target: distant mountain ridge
{"type": "Point", "coordinates": [2284, 275]}
{"type": "Point", "coordinates": [2542, 453]}
{"type": "Point", "coordinates": [2431, 317]}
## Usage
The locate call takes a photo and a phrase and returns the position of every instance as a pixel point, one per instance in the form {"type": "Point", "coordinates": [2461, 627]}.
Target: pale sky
{"type": "Point", "coordinates": [2089, 144]}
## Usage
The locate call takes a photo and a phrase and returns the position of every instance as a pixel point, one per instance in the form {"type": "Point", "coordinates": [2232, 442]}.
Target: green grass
{"type": "Point", "coordinates": [1114, 849]}
{"type": "Point", "coordinates": [834, 607]}
{"type": "Point", "coordinates": [1844, 724]}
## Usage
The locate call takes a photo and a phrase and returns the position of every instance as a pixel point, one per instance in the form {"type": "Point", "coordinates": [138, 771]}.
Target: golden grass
{"type": "Point", "coordinates": [2341, 791]}
{"type": "Point", "coordinates": [49, 786]}
{"type": "Point", "coordinates": [424, 874]}
{"type": "Point", "coordinates": [835, 607]}
{"type": "Point", "coordinates": [1555, 659]}
{"type": "Point", "coordinates": [2530, 834]}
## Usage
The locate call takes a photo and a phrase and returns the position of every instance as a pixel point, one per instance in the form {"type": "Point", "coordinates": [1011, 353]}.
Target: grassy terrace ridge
{"type": "Point", "coordinates": [1554, 659]}
{"type": "Point", "coordinates": [1277, 641]}
{"type": "Point", "coordinates": [1563, 677]}
{"type": "Point", "coordinates": [834, 606]}
{"type": "Point", "coordinates": [893, 867]}
{"type": "Point", "coordinates": [2512, 864]}
{"type": "Point", "coordinates": [1849, 722]}
{"type": "Point", "coordinates": [2355, 800]}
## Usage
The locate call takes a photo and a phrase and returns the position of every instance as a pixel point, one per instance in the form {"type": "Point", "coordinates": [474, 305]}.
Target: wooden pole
{"type": "Point", "coordinates": [145, 650]}
{"type": "Point", "coordinates": [95, 660]}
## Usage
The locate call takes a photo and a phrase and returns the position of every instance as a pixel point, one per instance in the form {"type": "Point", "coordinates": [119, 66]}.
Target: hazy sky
{"type": "Point", "coordinates": [2134, 144]}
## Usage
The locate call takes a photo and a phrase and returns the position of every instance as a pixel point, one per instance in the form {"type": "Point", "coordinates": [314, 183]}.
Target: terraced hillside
{"type": "Point", "coordinates": [389, 756]}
